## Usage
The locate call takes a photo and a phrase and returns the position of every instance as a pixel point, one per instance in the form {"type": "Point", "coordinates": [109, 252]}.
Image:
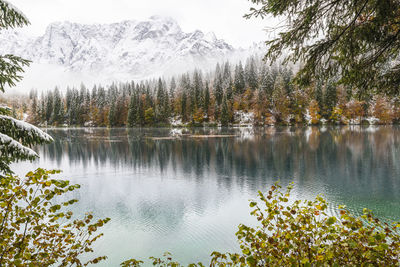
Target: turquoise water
{"type": "Point", "coordinates": [185, 191]}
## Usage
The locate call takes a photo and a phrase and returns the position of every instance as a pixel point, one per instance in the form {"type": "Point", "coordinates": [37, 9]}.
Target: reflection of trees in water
{"type": "Point", "coordinates": [354, 158]}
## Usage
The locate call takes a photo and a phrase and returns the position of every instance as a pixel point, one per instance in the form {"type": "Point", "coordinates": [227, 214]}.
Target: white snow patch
{"type": "Point", "coordinates": [308, 117]}
{"type": "Point", "coordinates": [244, 118]}
{"type": "Point", "coordinates": [176, 121]}
{"type": "Point", "coordinates": [355, 121]}
{"type": "Point", "coordinates": [372, 120]}
{"type": "Point", "coordinates": [89, 124]}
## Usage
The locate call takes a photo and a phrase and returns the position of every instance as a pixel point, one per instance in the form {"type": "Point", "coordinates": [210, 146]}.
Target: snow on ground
{"type": "Point", "coordinates": [372, 120]}
{"type": "Point", "coordinates": [176, 121]}
{"type": "Point", "coordinates": [244, 118]}
{"type": "Point", "coordinates": [89, 124]}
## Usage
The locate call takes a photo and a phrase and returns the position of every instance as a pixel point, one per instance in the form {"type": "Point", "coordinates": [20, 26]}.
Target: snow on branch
{"type": "Point", "coordinates": [30, 131]}
{"type": "Point", "coordinates": [11, 16]}
{"type": "Point", "coordinates": [15, 147]}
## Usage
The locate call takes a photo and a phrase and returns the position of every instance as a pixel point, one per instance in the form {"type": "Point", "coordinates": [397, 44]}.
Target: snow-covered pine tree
{"type": "Point", "coordinates": [133, 110]}
{"type": "Point", "coordinates": [218, 90]}
{"type": "Point", "coordinates": [226, 76]}
{"type": "Point", "coordinates": [172, 88]}
{"type": "Point", "coordinates": [197, 87]}
{"type": "Point", "coordinates": [206, 103]}
{"type": "Point", "coordinates": [266, 81]}
{"type": "Point", "coordinates": [57, 115]}
{"type": "Point", "coordinates": [112, 120]}
{"type": "Point", "coordinates": [251, 74]}
{"type": "Point", "coordinates": [224, 112]}
{"type": "Point", "coordinates": [16, 137]}
{"type": "Point", "coordinates": [239, 79]}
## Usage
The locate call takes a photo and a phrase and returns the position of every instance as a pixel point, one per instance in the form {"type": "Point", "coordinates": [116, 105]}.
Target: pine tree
{"type": "Point", "coordinates": [266, 81]}
{"type": "Point", "coordinates": [197, 88]}
{"type": "Point", "coordinates": [183, 107]}
{"type": "Point", "coordinates": [140, 111]}
{"type": "Point", "coordinates": [34, 108]}
{"type": "Point", "coordinates": [15, 136]}
{"type": "Point", "coordinates": [206, 102]}
{"type": "Point", "coordinates": [226, 76]}
{"type": "Point", "coordinates": [218, 90]}
{"type": "Point", "coordinates": [57, 116]}
{"type": "Point", "coordinates": [287, 77]}
{"type": "Point", "coordinates": [319, 96]}
{"type": "Point", "coordinates": [330, 98]}
{"type": "Point", "coordinates": [149, 116]}
{"type": "Point", "coordinates": [281, 100]}
{"type": "Point", "coordinates": [160, 101]}
{"type": "Point", "coordinates": [166, 107]}
{"type": "Point", "coordinates": [172, 88]}
{"type": "Point", "coordinates": [225, 118]}
{"type": "Point", "coordinates": [49, 107]}
{"type": "Point", "coordinates": [251, 74]}
{"type": "Point", "coordinates": [112, 120]}
{"type": "Point", "coordinates": [229, 92]}
{"type": "Point", "coordinates": [101, 106]}
{"type": "Point", "coordinates": [216, 112]}
{"type": "Point", "coordinates": [239, 79]}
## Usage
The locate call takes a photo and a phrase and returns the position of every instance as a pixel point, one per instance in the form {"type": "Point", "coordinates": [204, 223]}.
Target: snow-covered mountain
{"type": "Point", "coordinates": [126, 50]}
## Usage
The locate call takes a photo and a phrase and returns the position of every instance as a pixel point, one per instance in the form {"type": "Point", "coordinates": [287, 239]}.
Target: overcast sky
{"type": "Point", "coordinates": [224, 17]}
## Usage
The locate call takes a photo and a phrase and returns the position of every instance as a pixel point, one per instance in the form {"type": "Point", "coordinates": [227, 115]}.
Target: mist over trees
{"type": "Point", "coordinates": [253, 93]}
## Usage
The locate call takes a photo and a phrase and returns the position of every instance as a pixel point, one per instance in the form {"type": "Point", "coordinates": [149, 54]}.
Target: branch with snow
{"type": "Point", "coordinates": [22, 131]}
{"type": "Point", "coordinates": [11, 16]}
{"type": "Point", "coordinates": [10, 146]}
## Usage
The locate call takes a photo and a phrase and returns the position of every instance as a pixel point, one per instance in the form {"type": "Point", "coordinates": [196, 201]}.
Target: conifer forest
{"type": "Point", "coordinates": [254, 93]}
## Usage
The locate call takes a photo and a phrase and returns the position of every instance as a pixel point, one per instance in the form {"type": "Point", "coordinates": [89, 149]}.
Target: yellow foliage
{"type": "Point", "coordinates": [383, 111]}
{"type": "Point", "coordinates": [354, 109]}
{"type": "Point", "coordinates": [337, 114]}
{"type": "Point", "coordinates": [198, 116]}
{"type": "Point", "coordinates": [314, 110]}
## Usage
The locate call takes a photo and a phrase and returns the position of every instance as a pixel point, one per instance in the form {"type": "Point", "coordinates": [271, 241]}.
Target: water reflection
{"type": "Point", "coordinates": [353, 158]}
{"type": "Point", "coordinates": [186, 190]}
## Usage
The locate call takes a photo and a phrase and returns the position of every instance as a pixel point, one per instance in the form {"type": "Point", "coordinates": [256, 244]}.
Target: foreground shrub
{"type": "Point", "coordinates": [302, 233]}
{"type": "Point", "coordinates": [34, 228]}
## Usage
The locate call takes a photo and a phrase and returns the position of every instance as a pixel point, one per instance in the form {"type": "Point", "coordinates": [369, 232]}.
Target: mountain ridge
{"type": "Point", "coordinates": [126, 50]}
{"type": "Point", "coordinates": [83, 47]}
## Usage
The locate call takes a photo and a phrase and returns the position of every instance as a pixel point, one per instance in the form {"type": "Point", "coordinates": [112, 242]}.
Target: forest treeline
{"type": "Point", "coordinates": [253, 93]}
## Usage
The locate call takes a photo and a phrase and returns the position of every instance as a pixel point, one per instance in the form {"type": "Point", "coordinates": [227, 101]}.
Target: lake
{"type": "Point", "coordinates": [186, 191]}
